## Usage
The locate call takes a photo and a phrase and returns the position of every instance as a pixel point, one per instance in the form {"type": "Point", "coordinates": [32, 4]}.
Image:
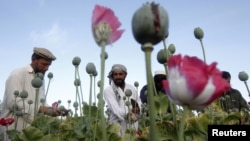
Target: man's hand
{"type": "Point", "coordinates": [136, 110]}
{"type": "Point", "coordinates": [132, 116]}
{"type": "Point", "coordinates": [50, 111]}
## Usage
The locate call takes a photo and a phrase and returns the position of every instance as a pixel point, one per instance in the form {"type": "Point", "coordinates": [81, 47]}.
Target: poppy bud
{"type": "Point", "coordinates": [90, 68]}
{"type": "Point", "coordinates": [198, 33]}
{"type": "Point", "coordinates": [243, 76]}
{"type": "Point", "coordinates": [37, 82]}
{"type": "Point", "coordinates": [76, 61]}
{"type": "Point", "coordinates": [150, 24]}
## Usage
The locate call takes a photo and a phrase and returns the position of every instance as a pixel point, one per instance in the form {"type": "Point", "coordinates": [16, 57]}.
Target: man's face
{"type": "Point", "coordinates": [41, 65]}
{"type": "Point", "coordinates": [119, 77]}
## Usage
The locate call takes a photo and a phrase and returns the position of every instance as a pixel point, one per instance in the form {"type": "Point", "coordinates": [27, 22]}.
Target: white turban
{"type": "Point", "coordinates": [116, 67]}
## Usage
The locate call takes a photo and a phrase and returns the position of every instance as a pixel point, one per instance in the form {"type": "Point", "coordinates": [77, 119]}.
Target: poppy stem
{"type": "Point", "coordinates": [245, 82]}
{"type": "Point", "coordinates": [203, 50]}
{"type": "Point", "coordinates": [101, 100]}
{"type": "Point", "coordinates": [148, 48]}
{"type": "Point", "coordinates": [182, 123]}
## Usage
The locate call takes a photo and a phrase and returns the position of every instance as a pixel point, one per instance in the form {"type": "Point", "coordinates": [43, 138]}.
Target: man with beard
{"type": "Point", "coordinates": [18, 82]}
{"type": "Point", "coordinates": [117, 95]}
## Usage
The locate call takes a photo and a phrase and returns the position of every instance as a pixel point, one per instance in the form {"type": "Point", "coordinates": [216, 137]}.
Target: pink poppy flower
{"type": "Point", "coordinates": [193, 83]}
{"type": "Point", "coordinates": [6, 121]}
{"type": "Point", "coordinates": [105, 25]}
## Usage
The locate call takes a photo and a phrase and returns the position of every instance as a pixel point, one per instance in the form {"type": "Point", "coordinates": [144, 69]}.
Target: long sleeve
{"type": "Point", "coordinates": [16, 82]}
{"type": "Point", "coordinates": [114, 97]}
{"type": "Point", "coordinates": [242, 101]}
{"type": "Point", "coordinates": [115, 104]}
{"type": "Point", "coordinates": [20, 80]}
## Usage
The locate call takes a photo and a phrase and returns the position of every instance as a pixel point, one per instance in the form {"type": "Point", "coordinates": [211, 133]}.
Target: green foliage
{"type": "Point", "coordinates": [88, 127]}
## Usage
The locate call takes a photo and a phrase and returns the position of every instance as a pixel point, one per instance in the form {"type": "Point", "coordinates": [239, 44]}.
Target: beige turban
{"type": "Point", "coordinates": [116, 67]}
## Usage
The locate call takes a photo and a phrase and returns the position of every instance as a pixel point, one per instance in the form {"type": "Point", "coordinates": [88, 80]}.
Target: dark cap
{"type": "Point", "coordinates": [45, 53]}
{"type": "Point", "coordinates": [225, 75]}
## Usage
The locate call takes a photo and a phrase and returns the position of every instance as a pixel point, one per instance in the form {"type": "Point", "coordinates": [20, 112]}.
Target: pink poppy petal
{"type": "Point", "coordinates": [115, 36]}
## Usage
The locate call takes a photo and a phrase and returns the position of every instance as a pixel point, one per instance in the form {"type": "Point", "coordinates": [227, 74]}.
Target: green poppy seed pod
{"type": "Point", "coordinates": [105, 55]}
{"type": "Point", "coordinates": [198, 33]}
{"type": "Point", "coordinates": [128, 92]}
{"type": "Point", "coordinates": [163, 56]}
{"type": "Point", "coordinates": [90, 68]}
{"type": "Point", "coordinates": [76, 61]}
{"type": "Point", "coordinates": [69, 101]}
{"type": "Point", "coordinates": [42, 100]}
{"type": "Point", "coordinates": [243, 76]}
{"type": "Point", "coordinates": [99, 83]}
{"type": "Point", "coordinates": [19, 113]}
{"type": "Point", "coordinates": [150, 24]}
{"type": "Point", "coordinates": [95, 73]}
{"type": "Point", "coordinates": [50, 75]}
{"type": "Point", "coordinates": [127, 103]}
{"type": "Point", "coordinates": [136, 84]}
{"type": "Point", "coordinates": [40, 75]}
{"type": "Point", "coordinates": [30, 102]}
{"type": "Point", "coordinates": [16, 93]}
{"type": "Point", "coordinates": [124, 98]}
{"type": "Point", "coordinates": [23, 94]}
{"type": "Point", "coordinates": [36, 82]}
{"type": "Point", "coordinates": [62, 108]}
{"type": "Point", "coordinates": [171, 48]}
{"type": "Point", "coordinates": [77, 82]}
{"type": "Point", "coordinates": [98, 96]}
{"type": "Point", "coordinates": [75, 104]}
{"type": "Point", "coordinates": [59, 101]}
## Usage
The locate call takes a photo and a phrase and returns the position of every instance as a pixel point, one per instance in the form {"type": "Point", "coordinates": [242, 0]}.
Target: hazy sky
{"type": "Point", "coordinates": [64, 27]}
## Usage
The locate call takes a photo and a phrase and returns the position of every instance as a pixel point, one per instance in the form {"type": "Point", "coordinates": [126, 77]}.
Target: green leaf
{"type": "Point", "coordinates": [31, 134]}
{"type": "Point", "coordinates": [161, 103]}
{"type": "Point", "coordinates": [47, 124]}
{"type": "Point", "coordinates": [51, 137]}
{"type": "Point", "coordinates": [12, 133]}
{"type": "Point", "coordinates": [114, 128]}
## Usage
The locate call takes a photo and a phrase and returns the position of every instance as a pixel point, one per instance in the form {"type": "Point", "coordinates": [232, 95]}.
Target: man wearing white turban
{"type": "Point", "coordinates": [116, 95]}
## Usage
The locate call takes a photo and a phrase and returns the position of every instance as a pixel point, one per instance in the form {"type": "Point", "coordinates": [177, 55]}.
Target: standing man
{"type": "Point", "coordinates": [20, 80]}
{"type": "Point", "coordinates": [117, 94]}
{"type": "Point", "coordinates": [159, 76]}
{"type": "Point", "coordinates": [232, 99]}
